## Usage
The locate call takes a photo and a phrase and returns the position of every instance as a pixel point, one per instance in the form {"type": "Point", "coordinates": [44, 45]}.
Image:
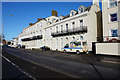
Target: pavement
{"type": "Point", "coordinates": [66, 65]}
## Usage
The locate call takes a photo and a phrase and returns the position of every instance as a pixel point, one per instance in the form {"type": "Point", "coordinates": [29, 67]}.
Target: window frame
{"type": "Point", "coordinates": [110, 17]}
{"type": "Point", "coordinates": [109, 4]}
{"type": "Point", "coordinates": [61, 28]}
{"type": "Point", "coordinates": [72, 13]}
{"type": "Point", "coordinates": [73, 25]}
{"type": "Point", "coordinates": [111, 32]}
{"type": "Point", "coordinates": [66, 27]}
{"type": "Point", "coordinates": [56, 29]}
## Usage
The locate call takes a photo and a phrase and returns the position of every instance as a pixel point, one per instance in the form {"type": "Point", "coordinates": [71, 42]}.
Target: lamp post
{"type": "Point", "coordinates": [2, 30]}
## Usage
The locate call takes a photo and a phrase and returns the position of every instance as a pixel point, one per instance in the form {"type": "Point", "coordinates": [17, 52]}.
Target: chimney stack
{"type": "Point", "coordinates": [38, 19]}
{"type": "Point", "coordinates": [54, 13]}
{"type": "Point", "coordinates": [30, 24]}
{"type": "Point", "coordinates": [96, 2]}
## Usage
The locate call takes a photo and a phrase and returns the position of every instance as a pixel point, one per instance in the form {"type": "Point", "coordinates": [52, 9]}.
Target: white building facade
{"type": "Point", "coordinates": [19, 37]}
{"type": "Point", "coordinates": [110, 19]}
{"type": "Point", "coordinates": [34, 35]}
{"type": "Point", "coordinates": [111, 28]}
{"type": "Point", "coordinates": [83, 25]}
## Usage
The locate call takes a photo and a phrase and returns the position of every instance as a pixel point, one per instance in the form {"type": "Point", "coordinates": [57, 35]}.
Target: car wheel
{"type": "Point", "coordinates": [78, 52]}
{"type": "Point", "coordinates": [64, 51]}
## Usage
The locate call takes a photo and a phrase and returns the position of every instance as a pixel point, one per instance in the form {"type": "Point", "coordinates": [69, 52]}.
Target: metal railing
{"type": "Point", "coordinates": [70, 31]}
{"type": "Point", "coordinates": [32, 38]}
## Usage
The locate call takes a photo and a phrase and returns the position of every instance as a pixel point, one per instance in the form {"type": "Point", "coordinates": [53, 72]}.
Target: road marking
{"type": "Point", "coordinates": [19, 68]}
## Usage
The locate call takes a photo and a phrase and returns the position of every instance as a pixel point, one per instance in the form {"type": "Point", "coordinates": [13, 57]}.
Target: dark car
{"type": "Point", "coordinates": [18, 46]}
{"type": "Point", "coordinates": [23, 46]}
{"type": "Point", "coordinates": [45, 48]}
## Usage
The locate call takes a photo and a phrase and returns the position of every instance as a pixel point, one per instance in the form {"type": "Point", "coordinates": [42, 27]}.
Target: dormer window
{"type": "Point", "coordinates": [81, 9]}
{"type": "Point", "coordinates": [48, 19]}
{"type": "Point", "coordinates": [72, 13]}
{"type": "Point", "coordinates": [52, 21]}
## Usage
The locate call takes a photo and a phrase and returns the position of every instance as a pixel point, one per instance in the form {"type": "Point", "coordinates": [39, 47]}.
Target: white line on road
{"type": "Point", "coordinates": [19, 68]}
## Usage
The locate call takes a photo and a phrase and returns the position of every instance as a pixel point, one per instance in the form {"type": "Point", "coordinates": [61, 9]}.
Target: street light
{"type": "Point", "coordinates": [2, 30]}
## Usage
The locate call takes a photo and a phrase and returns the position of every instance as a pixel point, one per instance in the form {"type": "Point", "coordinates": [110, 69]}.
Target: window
{"type": "Point", "coordinates": [81, 9]}
{"type": "Point", "coordinates": [66, 46]}
{"type": "Point", "coordinates": [81, 23]}
{"type": "Point", "coordinates": [40, 32]}
{"type": "Point", "coordinates": [51, 30]}
{"type": "Point", "coordinates": [41, 25]}
{"type": "Point", "coordinates": [78, 44]}
{"type": "Point", "coordinates": [60, 19]}
{"type": "Point", "coordinates": [75, 44]}
{"type": "Point", "coordinates": [73, 25]}
{"type": "Point", "coordinates": [61, 43]}
{"type": "Point", "coordinates": [113, 17]}
{"type": "Point", "coordinates": [114, 33]}
{"type": "Point", "coordinates": [73, 38]}
{"type": "Point", "coordinates": [84, 43]}
{"type": "Point", "coordinates": [72, 13]}
{"type": "Point", "coordinates": [52, 21]}
{"type": "Point", "coordinates": [81, 37]}
{"type": "Point", "coordinates": [113, 3]}
{"type": "Point", "coordinates": [61, 28]}
{"type": "Point", "coordinates": [57, 29]}
{"type": "Point", "coordinates": [66, 27]}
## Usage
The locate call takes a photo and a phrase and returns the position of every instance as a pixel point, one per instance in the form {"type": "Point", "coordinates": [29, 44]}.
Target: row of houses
{"type": "Point", "coordinates": [87, 25]}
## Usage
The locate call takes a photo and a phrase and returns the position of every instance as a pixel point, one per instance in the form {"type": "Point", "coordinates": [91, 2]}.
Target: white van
{"type": "Point", "coordinates": [80, 46]}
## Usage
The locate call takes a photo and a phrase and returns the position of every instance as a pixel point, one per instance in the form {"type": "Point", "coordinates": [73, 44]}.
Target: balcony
{"type": "Point", "coordinates": [70, 31]}
{"type": "Point", "coordinates": [111, 38]}
{"type": "Point", "coordinates": [32, 38]}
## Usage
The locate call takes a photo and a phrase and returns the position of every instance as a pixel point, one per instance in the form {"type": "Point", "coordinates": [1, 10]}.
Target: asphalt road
{"type": "Point", "coordinates": [10, 71]}
{"type": "Point", "coordinates": [55, 66]}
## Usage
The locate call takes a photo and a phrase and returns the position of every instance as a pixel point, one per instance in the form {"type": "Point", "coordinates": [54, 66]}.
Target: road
{"type": "Point", "coordinates": [10, 71]}
{"type": "Point", "coordinates": [41, 65]}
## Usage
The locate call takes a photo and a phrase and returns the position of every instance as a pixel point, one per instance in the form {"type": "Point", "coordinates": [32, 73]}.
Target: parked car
{"type": "Point", "coordinates": [18, 46]}
{"type": "Point", "coordinates": [23, 46]}
{"type": "Point", "coordinates": [45, 48]}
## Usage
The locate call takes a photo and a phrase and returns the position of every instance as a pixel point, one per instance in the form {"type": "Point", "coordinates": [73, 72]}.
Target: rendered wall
{"type": "Point", "coordinates": [108, 48]}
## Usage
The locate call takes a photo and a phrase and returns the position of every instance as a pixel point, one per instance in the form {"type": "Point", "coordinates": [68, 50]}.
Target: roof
{"type": "Point", "coordinates": [73, 10]}
{"type": "Point", "coordinates": [66, 16]}
{"type": "Point", "coordinates": [88, 8]}
{"type": "Point", "coordinates": [31, 24]}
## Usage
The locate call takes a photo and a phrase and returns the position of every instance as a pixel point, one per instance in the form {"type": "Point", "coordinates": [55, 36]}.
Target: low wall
{"type": "Point", "coordinates": [108, 48]}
